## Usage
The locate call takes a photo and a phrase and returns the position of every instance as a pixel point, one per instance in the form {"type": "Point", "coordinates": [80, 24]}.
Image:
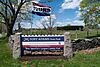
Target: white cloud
{"type": "Point", "coordinates": [36, 1]}
{"type": "Point", "coordinates": [61, 24]}
{"type": "Point", "coordinates": [77, 22]}
{"type": "Point", "coordinates": [70, 4]}
{"type": "Point", "coordinates": [23, 25]}
{"type": "Point", "coordinates": [45, 19]}
{"type": "Point", "coordinates": [78, 14]}
{"type": "Point", "coordinates": [73, 23]}
{"type": "Point", "coordinates": [38, 25]}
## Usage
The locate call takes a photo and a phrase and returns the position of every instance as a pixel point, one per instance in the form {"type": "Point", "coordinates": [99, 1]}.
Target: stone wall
{"type": "Point", "coordinates": [67, 45]}
{"type": "Point", "coordinates": [11, 42]}
{"type": "Point", "coordinates": [15, 45]}
{"type": "Point", "coordinates": [83, 44]}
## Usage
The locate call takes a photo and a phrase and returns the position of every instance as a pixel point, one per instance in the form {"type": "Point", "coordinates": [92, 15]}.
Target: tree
{"type": "Point", "coordinates": [9, 12]}
{"type": "Point", "coordinates": [25, 15]}
{"type": "Point", "coordinates": [0, 28]}
{"type": "Point", "coordinates": [90, 13]}
{"type": "Point", "coordinates": [48, 23]}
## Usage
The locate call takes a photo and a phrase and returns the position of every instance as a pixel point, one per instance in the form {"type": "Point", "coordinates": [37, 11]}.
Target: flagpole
{"type": "Point", "coordinates": [31, 26]}
{"type": "Point", "coordinates": [50, 28]}
{"type": "Point", "coordinates": [31, 22]}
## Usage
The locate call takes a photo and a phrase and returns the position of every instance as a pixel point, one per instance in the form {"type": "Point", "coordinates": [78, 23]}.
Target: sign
{"type": "Point", "coordinates": [41, 10]}
{"type": "Point", "coordinates": [43, 42]}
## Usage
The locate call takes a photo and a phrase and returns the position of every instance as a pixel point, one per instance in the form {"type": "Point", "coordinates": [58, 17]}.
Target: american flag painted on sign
{"type": "Point", "coordinates": [43, 42]}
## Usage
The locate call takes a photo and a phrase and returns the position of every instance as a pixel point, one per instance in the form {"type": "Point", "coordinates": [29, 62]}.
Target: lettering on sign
{"type": "Point", "coordinates": [40, 9]}
{"type": "Point", "coordinates": [43, 42]}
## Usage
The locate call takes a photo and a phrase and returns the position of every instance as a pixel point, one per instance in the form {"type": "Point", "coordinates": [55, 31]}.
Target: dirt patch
{"type": "Point", "coordinates": [90, 51]}
{"type": "Point", "coordinates": [30, 58]}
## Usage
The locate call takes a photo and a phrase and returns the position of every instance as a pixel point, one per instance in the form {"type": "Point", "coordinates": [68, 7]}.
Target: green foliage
{"type": "Point", "coordinates": [90, 12]}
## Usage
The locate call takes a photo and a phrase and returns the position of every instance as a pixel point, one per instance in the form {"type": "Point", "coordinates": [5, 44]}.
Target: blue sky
{"type": "Point", "coordinates": [64, 12]}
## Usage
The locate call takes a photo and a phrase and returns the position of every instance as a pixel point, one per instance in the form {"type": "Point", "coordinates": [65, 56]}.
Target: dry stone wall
{"type": "Point", "coordinates": [15, 45]}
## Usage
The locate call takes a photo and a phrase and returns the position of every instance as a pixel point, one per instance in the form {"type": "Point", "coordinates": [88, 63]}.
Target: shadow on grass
{"type": "Point", "coordinates": [93, 36]}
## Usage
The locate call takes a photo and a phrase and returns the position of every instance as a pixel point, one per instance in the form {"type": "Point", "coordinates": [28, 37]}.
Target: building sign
{"type": "Point", "coordinates": [43, 42]}
{"type": "Point", "coordinates": [41, 10]}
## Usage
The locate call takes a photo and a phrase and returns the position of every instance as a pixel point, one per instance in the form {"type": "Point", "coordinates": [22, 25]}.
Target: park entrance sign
{"type": "Point", "coordinates": [42, 42]}
{"type": "Point", "coordinates": [40, 45]}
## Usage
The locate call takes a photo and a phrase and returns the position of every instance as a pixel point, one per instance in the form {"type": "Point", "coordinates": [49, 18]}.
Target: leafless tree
{"type": "Point", "coordinates": [48, 23]}
{"type": "Point", "coordinates": [9, 12]}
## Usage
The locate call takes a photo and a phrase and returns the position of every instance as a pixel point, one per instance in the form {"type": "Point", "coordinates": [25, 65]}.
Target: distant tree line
{"type": "Point", "coordinates": [70, 28]}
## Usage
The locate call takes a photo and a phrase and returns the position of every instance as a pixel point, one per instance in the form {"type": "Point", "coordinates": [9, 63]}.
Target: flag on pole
{"type": "Point", "coordinates": [41, 10]}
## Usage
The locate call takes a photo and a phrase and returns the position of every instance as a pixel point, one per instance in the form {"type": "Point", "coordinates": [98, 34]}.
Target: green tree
{"type": "Point", "coordinates": [90, 13]}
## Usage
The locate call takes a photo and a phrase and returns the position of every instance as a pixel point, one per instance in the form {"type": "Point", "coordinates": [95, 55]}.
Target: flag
{"type": "Point", "coordinates": [41, 10]}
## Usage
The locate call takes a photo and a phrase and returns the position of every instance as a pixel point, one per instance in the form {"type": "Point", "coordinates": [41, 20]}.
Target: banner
{"type": "Point", "coordinates": [41, 10]}
{"type": "Point", "coordinates": [42, 42]}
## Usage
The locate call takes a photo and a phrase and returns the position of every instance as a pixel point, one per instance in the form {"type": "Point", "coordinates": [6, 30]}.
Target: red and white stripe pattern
{"type": "Point", "coordinates": [40, 5]}
{"type": "Point", "coordinates": [40, 9]}
{"type": "Point", "coordinates": [43, 44]}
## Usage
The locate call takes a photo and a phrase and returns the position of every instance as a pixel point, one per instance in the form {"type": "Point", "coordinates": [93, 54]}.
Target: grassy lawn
{"type": "Point", "coordinates": [6, 59]}
{"type": "Point", "coordinates": [74, 34]}
{"type": "Point", "coordinates": [79, 60]}
{"type": "Point", "coordinates": [83, 34]}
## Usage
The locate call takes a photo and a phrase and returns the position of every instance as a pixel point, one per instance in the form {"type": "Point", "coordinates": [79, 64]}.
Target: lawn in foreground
{"type": "Point", "coordinates": [79, 60]}
{"type": "Point", "coordinates": [6, 59]}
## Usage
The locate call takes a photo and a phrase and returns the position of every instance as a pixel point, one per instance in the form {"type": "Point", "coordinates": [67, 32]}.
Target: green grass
{"type": "Point", "coordinates": [80, 34]}
{"type": "Point", "coordinates": [6, 59]}
{"type": "Point", "coordinates": [83, 34]}
{"type": "Point", "coordinates": [79, 60]}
